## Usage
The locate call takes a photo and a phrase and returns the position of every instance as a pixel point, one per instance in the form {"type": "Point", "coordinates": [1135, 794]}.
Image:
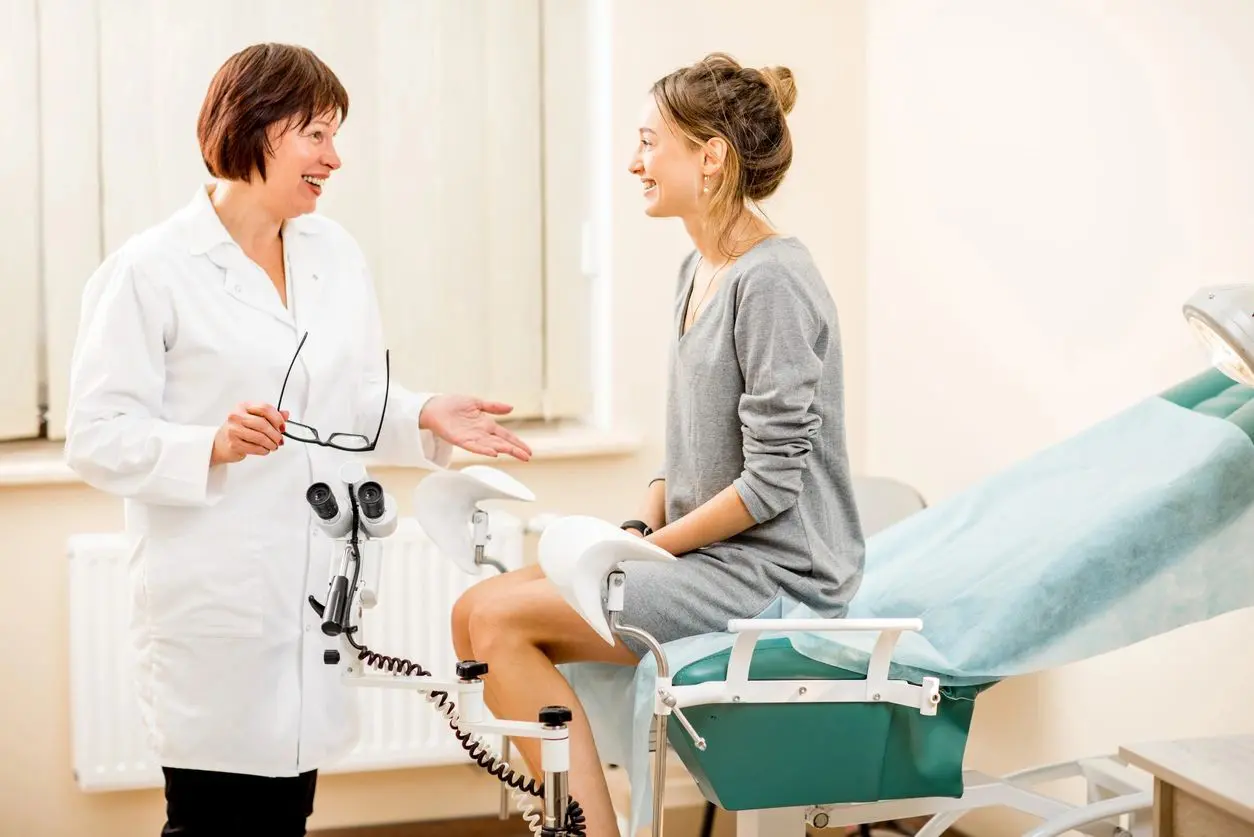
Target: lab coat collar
{"type": "Point", "coordinates": [206, 231]}
{"type": "Point", "coordinates": [207, 236]}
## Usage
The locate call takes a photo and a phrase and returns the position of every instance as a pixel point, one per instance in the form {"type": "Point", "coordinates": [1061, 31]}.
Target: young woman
{"type": "Point", "coordinates": [755, 497]}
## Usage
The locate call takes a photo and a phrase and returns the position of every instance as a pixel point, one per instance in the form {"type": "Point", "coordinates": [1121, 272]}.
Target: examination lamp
{"type": "Point", "coordinates": [1222, 316]}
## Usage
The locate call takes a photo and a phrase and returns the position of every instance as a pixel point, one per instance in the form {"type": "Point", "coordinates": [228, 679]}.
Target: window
{"type": "Point", "coordinates": [20, 313]}
{"type": "Point", "coordinates": [464, 178]}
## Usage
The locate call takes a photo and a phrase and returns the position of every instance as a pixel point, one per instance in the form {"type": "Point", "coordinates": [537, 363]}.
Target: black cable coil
{"type": "Point", "coordinates": [574, 826]}
{"type": "Point", "coordinates": [575, 821]}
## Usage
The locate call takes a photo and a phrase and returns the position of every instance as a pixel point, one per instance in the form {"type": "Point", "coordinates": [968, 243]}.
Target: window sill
{"type": "Point", "coordinates": [565, 440]}
{"type": "Point", "coordinates": [34, 463]}
{"type": "Point", "coordinates": [42, 463]}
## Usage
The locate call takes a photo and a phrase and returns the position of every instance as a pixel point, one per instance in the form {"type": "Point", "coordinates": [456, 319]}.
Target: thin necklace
{"type": "Point", "coordinates": [700, 260]}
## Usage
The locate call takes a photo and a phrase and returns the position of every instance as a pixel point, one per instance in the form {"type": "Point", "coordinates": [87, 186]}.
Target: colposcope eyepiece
{"type": "Point", "coordinates": [322, 499]}
{"type": "Point", "coordinates": [370, 495]}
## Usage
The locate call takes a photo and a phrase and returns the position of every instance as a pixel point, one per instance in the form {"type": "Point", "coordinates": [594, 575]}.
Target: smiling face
{"type": "Point", "coordinates": [671, 168]}
{"type": "Point", "coordinates": [301, 160]}
{"type": "Point", "coordinates": [268, 123]}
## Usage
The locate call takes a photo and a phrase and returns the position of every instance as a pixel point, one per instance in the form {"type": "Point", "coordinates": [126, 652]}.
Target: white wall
{"type": "Point", "coordinates": [1048, 181]}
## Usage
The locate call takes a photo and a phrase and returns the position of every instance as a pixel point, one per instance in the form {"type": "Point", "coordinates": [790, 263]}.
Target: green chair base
{"type": "Point", "coordinates": [792, 754]}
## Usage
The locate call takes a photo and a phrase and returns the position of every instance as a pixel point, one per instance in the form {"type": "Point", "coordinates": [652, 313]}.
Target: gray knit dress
{"type": "Point", "coordinates": [755, 399]}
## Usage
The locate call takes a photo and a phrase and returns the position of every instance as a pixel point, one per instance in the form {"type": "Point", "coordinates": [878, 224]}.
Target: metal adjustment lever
{"type": "Point", "coordinates": [669, 700]}
{"type": "Point", "coordinates": [479, 520]}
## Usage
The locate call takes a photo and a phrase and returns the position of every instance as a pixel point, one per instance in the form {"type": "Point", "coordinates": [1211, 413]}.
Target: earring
{"type": "Point", "coordinates": [707, 184]}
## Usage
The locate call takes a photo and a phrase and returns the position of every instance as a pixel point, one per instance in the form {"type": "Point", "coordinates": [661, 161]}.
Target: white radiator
{"type": "Point", "coordinates": [398, 729]}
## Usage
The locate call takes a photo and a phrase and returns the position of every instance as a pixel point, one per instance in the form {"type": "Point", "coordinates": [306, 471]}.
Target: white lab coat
{"type": "Point", "coordinates": [177, 328]}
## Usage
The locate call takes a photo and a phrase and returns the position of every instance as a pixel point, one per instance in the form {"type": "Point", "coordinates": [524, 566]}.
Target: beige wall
{"type": "Point", "coordinates": [1048, 183]}
{"type": "Point", "coordinates": [822, 203]}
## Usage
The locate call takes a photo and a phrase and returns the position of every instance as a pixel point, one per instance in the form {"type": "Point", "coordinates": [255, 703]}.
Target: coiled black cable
{"type": "Point", "coordinates": [444, 704]}
{"type": "Point", "coordinates": [480, 754]}
{"type": "Point", "coordinates": [575, 825]}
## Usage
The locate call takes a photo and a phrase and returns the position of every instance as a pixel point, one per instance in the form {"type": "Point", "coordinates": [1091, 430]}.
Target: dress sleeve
{"type": "Point", "coordinates": [778, 332]}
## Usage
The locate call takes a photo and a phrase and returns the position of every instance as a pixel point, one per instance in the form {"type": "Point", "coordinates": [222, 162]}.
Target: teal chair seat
{"type": "Point", "coordinates": [770, 755]}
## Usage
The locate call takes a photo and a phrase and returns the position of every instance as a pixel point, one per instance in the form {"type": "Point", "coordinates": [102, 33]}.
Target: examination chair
{"type": "Point", "coordinates": [1132, 528]}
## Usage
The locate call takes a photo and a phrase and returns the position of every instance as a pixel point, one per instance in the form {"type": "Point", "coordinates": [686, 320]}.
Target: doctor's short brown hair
{"type": "Point", "coordinates": [257, 87]}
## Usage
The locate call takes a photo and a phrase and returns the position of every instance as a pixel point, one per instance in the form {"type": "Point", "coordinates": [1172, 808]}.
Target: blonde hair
{"type": "Point", "coordinates": [747, 108]}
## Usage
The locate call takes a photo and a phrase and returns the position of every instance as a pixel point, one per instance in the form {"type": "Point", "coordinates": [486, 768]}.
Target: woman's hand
{"type": "Point", "coordinates": [251, 429]}
{"type": "Point", "coordinates": [466, 421]}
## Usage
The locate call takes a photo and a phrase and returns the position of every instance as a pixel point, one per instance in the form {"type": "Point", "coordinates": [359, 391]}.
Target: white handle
{"type": "Point", "coordinates": [889, 630]}
{"type": "Point", "coordinates": [762, 625]}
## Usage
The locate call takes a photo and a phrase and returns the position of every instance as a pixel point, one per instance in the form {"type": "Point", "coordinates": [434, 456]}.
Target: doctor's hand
{"type": "Point", "coordinates": [251, 429]}
{"type": "Point", "coordinates": [467, 422]}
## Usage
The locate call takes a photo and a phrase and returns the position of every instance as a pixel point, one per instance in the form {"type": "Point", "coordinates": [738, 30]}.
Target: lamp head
{"type": "Point", "coordinates": [578, 553]}
{"type": "Point", "coordinates": [1222, 316]}
{"type": "Point", "coordinates": [446, 501]}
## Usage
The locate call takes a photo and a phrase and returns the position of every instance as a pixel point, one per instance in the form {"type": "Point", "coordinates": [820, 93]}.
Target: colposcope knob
{"type": "Point", "coordinates": [555, 716]}
{"type": "Point", "coordinates": [471, 670]}
{"type": "Point", "coordinates": [331, 657]}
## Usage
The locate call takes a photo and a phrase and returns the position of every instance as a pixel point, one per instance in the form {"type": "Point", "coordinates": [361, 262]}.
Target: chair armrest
{"type": "Point", "coordinates": [810, 625]}
{"type": "Point", "coordinates": [749, 630]}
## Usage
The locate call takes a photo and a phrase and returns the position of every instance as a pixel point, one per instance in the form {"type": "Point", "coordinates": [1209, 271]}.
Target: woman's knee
{"type": "Point", "coordinates": [474, 598]}
{"type": "Point", "coordinates": [463, 609]}
{"type": "Point", "coordinates": [500, 621]}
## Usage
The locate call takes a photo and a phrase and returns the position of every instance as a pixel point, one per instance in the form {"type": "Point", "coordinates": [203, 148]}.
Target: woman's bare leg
{"type": "Point", "coordinates": [512, 634]}
{"type": "Point", "coordinates": [479, 593]}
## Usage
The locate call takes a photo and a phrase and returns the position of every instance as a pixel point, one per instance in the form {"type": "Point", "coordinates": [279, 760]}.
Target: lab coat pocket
{"type": "Point", "coordinates": [208, 590]}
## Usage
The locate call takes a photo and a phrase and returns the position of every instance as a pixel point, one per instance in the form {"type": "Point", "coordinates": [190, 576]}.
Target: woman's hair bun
{"type": "Point", "coordinates": [781, 81]}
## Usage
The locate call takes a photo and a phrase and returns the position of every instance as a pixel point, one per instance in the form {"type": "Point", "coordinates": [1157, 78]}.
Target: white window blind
{"type": "Point", "coordinates": [70, 144]}
{"type": "Point", "coordinates": [471, 222]}
{"type": "Point", "coordinates": [19, 221]}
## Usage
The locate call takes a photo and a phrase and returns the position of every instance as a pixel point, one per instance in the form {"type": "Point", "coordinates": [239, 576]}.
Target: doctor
{"type": "Point", "coordinates": [185, 341]}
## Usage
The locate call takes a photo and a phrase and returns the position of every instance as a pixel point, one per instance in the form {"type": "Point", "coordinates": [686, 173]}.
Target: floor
{"type": "Point", "coordinates": [680, 822]}
{"type": "Point", "coordinates": [486, 827]}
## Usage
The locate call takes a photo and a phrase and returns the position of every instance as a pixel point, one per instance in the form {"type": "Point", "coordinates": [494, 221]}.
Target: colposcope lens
{"type": "Point", "coordinates": [370, 495]}
{"type": "Point", "coordinates": [322, 499]}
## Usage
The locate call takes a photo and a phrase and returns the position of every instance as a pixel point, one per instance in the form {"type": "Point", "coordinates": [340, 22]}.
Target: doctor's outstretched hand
{"type": "Point", "coordinates": [466, 421]}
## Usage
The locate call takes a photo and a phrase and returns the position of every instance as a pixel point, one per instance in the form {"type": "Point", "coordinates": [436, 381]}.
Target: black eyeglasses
{"type": "Point", "coordinates": [353, 442]}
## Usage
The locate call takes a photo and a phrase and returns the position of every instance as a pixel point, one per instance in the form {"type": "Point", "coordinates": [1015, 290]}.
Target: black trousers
{"type": "Point", "coordinates": [204, 803]}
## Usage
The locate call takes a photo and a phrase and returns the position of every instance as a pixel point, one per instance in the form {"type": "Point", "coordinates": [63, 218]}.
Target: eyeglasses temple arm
{"type": "Point", "coordinates": [290, 367]}
{"type": "Point", "coordinates": [387, 385]}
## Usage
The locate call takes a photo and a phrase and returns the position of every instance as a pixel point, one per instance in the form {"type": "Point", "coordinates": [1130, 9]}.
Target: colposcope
{"type": "Point", "coordinates": [356, 514]}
